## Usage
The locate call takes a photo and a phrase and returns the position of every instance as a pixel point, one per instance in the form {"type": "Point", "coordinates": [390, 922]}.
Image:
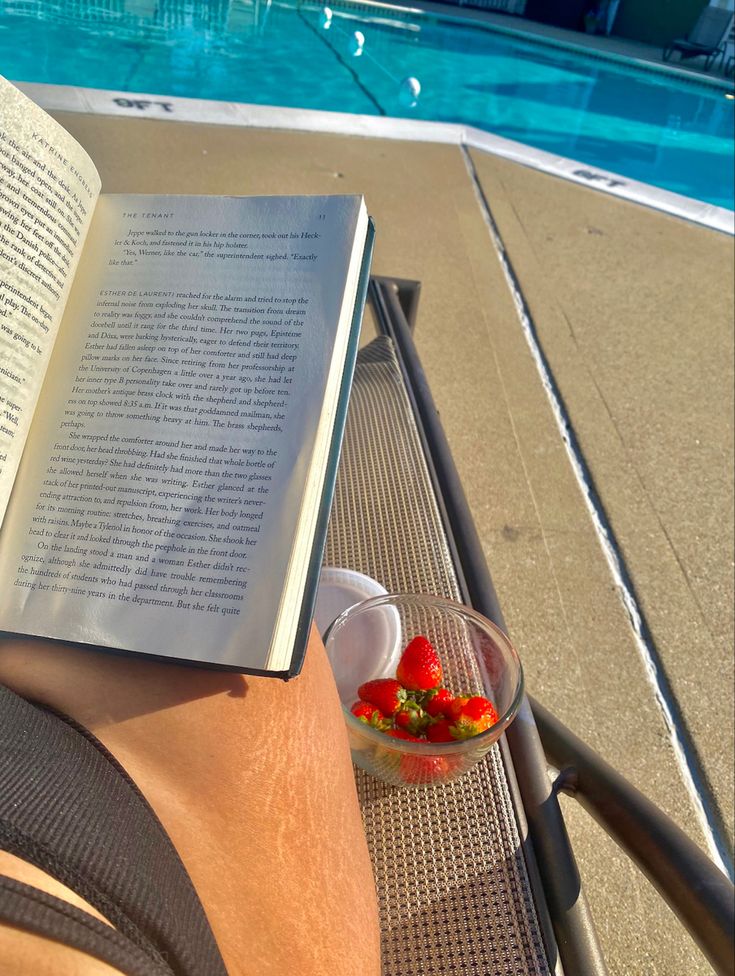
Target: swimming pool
{"type": "Point", "coordinates": [648, 125]}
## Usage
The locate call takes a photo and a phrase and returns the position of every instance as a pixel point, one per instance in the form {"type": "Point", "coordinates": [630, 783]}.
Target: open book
{"type": "Point", "coordinates": [174, 375]}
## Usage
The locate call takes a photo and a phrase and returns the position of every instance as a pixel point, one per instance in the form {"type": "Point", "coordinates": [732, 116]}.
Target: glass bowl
{"type": "Point", "coordinates": [366, 642]}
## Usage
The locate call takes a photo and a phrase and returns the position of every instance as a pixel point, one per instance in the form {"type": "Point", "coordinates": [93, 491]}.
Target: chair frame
{"type": "Point", "coordinates": [693, 49]}
{"type": "Point", "coordinates": [699, 893]}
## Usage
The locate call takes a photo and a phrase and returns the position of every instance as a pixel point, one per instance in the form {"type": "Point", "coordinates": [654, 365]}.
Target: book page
{"type": "Point", "coordinates": [158, 500]}
{"type": "Point", "coordinates": [48, 189]}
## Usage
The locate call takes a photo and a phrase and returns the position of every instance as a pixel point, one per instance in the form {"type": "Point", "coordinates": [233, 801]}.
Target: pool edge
{"type": "Point", "coordinates": [175, 108]}
{"type": "Point", "coordinates": [476, 17]}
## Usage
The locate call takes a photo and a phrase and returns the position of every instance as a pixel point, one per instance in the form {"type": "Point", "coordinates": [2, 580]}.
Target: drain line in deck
{"type": "Point", "coordinates": [694, 776]}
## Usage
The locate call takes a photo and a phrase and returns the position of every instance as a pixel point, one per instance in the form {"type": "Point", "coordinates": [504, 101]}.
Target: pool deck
{"type": "Point", "coordinates": [606, 45]}
{"type": "Point", "coordinates": [632, 311]}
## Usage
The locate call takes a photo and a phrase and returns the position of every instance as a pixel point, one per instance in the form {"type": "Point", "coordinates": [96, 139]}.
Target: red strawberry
{"type": "Point", "coordinates": [400, 734]}
{"type": "Point", "coordinates": [453, 709]}
{"type": "Point", "coordinates": [419, 770]}
{"type": "Point", "coordinates": [436, 705]}
{"type": "Point", "coordinates": [386, 693]}
{"type": "Point", "coordinates": [476, 715]}
{"type": "Point", "coordinates": [419, 668]}
{"type": "Point", "coordinates": [411, 717]}
{"type": "Point", "coordinates": [440, 731]}
{"type": "Point", "coordinates": [370, 715]}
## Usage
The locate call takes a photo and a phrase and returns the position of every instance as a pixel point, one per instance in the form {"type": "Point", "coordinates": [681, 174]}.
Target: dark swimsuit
{"type": "Point", "coordinates": [68, 807]}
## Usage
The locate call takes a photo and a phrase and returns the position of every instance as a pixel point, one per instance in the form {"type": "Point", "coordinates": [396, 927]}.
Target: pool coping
{"type": "Point", "coordinates": [115, 102]}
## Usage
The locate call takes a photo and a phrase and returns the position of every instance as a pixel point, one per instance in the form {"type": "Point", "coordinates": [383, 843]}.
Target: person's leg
{"type": "Point", "coordinates": [252, 779]}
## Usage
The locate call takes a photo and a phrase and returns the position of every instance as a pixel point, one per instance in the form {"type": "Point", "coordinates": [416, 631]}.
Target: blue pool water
{"type": "Point", "coordinates": [647, 125]}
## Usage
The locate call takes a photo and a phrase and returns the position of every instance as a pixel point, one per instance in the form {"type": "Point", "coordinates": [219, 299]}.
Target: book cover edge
{"type": "Point", "coordinates": [308, 603]}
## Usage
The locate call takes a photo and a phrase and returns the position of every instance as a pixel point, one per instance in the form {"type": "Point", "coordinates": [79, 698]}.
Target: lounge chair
{"type": "Point", "coordinates": [707, 38]}
{"type": "Point", "coordinates": [478, 876]}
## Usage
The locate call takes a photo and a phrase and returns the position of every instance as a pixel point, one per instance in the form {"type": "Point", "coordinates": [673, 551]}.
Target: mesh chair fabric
{"type": "Point", "coordinates": [455, 898]}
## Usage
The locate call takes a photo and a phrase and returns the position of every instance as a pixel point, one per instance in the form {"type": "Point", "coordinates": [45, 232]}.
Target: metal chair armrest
{"type": "Point", "coordinates": [693, 886]}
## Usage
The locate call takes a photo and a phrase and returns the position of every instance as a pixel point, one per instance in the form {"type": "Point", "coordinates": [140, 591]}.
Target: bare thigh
{"type": "Point", "coordinates": [252, 779]}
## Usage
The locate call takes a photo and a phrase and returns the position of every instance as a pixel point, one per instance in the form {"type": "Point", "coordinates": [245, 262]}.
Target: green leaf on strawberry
{"type": "Point", "coordinates": [411, 717]}
{"type": "Point", "coordinates": [370, 715]}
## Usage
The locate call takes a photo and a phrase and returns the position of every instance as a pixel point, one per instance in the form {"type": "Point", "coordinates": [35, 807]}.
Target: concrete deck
{"type": "Point", "coordinates": [633, 311]}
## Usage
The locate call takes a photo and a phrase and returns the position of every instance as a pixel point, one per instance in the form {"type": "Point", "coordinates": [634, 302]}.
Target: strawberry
{"type": "Point", "coordinates": [437, 704]}
{"type": "Point", "coordinates": [424, 769]}
{"type": "Point", "coordinates": [387, 757]}
{"type": "Point", "coordinates": [371, 715]}
{"type": "Point", "coordinates": [476, 715]}
{"type": "Point", "coordinates": [411, 717]}
{"type": "Point", "coordinates": [385, 693]}
{"type": "Point", "coordinates": [440, 731]}
{"type": "Point", "coordinates": [419, 668]}
{"type": "Point", "coordinates": [400, 734]}
{"type": "Point", "coordinates": [453, 709]}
